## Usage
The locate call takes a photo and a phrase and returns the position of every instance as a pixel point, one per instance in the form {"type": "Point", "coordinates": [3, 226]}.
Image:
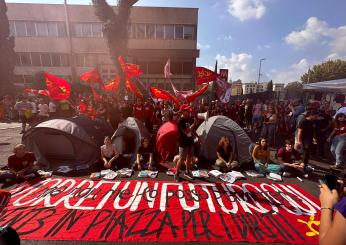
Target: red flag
{"type": "Point", "coordinates": [130, 70]}
{"type": "Point", "coordinates": [164, 95]}
{"type": "Point", "coordinates": [204, 75]}
{"type": "Point", "coordinates": [182, 95]}
{"type": "Point", "coordinates": [167, 69]}
{"type": "Point", "coordinates": [223, 90]}
{"type": "Point", "coordinates": [113, 85]}
{"type": "Point", "coordinates": [91, 76]}
{"type": "Point", "coordinates": [199, 92]}
{"type": "Point", "coordinates": [43, 92]}
{"type": "Point", "coordinates": [130, 86]}
{"type": "Point", "coordinates": [58, 88]}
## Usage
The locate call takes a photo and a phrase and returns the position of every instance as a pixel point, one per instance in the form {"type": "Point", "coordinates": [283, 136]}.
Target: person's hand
{"type": "Point", "coordinates": [328, 197]}
{"type": "Point", "coordinates": [297, 145]}
{"type": "Point", "coordinates": [108, 165]}
{"type": "Point", "coordinates": [266, 165]}
{"type": "Point", "coordinates": [228, 164]}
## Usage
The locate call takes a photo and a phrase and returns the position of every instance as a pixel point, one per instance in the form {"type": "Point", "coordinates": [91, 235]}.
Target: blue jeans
{"type": "Point", "coordinates": [268, 131]}
{"type": "Point", "coordinates": [338, 147]}
{"type": "Point", "coordinates": [272, 168]}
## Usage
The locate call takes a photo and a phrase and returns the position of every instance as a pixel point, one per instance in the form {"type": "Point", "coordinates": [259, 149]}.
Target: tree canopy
{"type": "Point", "coordinates": [8, 56]}
{"type": "Point", "coordinates": [294, 86]}
{"type": "Point", "coordinates": [330, 70]}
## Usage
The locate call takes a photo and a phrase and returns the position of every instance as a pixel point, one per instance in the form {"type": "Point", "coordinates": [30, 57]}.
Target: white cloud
{"type": "Point", "coordinates": [225, 37]}
{"type": "Point", "coordinates": [246, 9]}
{"type": "Point", "coordinates": [293, 73]}
{"type": "Point", "coordinates": [261, 47]}
{"type": "Point", "coordinates": [318, 31]}
{"type": "Point", "coordinates": [335, 56]}
{"type": "Point", "coordinates": [241, 66]}
{"type": "Point", "coordinates": [203, 46]}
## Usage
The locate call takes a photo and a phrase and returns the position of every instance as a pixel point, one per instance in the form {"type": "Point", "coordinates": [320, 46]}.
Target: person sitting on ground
{"type": "Point", "coordinates": [22, 162]}
{"type": "Point", "coordinates": [291, 160]}
{"type": "Point", "coordinates": [109, 154]}
{"type": "Point", "coordinates": [332, 227]}
{"type": "Point", "coordinates": [226, 159]}
{"type": "Point", "coordinates": [145, 156]}
{"type": "Point", "coordinates": [261, 157]}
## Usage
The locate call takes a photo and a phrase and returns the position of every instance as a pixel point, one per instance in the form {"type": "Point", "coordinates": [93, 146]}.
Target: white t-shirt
{"type": "Point", "coordinates": [52, 107]}
{"type": "Point", "coordinates": [43, 110]}
{"type": "Point", "coordinates": [34, 107]}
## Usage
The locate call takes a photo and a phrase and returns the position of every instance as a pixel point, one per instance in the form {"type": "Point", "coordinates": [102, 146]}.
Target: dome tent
{"type": "Point", "coordinates": [214, 128]}
{"type": "Point", "coordinates": [167, 140]}
{"type": "Point", "coordinates": [71, 141]}
{"type": "Point", "coordinates": [127, 138]}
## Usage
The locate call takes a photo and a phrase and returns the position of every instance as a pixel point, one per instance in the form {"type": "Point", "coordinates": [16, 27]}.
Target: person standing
{"type": "Point", "coordinates": [269, 126]}
{"type": "Point", "coordinates": [24, 107]}
{"type": "Point", "coordinates": [43, 111]}
{"type": "Point", "coordinates": [338, 139]}
{"type": "Point", "coordinates": [52, 109]}
{"type": "Point", "coordinates": [305, 135]}
{"type": "Point", "coordinates": [186, 142]}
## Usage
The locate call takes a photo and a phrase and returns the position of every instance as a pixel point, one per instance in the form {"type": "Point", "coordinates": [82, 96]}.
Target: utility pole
{"type": "Point", "coordinates": [259, 70]}
{"type": "Point", "coordinates": [69, 35]}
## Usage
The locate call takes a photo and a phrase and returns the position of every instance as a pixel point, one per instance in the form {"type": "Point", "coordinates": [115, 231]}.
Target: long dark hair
{"type": "Point", "coordinates": [336, 120]}
{"type": "Point", "coordinates": [222, 142]}
{"type": "Point", "coordinates": [260, 145]}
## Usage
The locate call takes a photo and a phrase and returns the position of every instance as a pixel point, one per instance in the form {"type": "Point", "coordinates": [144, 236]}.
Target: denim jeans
{"type": "Point", "coordinates": [338, 147]}
{"type": "Point", "coordinates": [272, 168]}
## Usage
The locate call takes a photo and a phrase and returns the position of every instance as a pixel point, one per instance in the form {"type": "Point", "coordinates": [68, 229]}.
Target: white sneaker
{"type": "Point", "coordinates": [306, 176]}
{"type": "Point", "coordinates": [286, 174]}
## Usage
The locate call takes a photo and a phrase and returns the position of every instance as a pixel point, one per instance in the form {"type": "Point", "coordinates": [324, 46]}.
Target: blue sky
{"type": "Point", "coordinates": [291, 34]}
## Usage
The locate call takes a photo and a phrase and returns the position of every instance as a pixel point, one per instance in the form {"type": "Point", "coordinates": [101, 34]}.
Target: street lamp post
{"type": "Point", "coordinates": [259, 70]}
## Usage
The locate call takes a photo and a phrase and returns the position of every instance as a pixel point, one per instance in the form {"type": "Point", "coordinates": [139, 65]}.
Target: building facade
{"type": "Point", "coordinates": [236, 88]}
{"type": "Point", "coordinates": [43, 42]}
{"type": "Point", "coordinates": [253, 87]}
{"type": "Point", "coordinates": [278, 87]}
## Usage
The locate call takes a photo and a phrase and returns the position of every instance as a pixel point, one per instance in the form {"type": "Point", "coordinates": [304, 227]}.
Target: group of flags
{"type": "Point", "coordinates": [59, 89]}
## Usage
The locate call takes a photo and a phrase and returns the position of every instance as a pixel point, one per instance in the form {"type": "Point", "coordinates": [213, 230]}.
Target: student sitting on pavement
{"type": "Point", "coordinates": [225, 156]}
{"type": "Point", "coordinates": [145, 156]}
{"type": "Point", "coordinates": [21, 163]}
{"type": "Point", "coordinates": [261, 157]}
{"type": "Point", "coordinates": [109, 154]}
{"type": "Point", "coordinates": [291, 160]}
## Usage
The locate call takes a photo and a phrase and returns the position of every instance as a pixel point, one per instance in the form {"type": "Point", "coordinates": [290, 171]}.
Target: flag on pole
{"type": "Point", "coordinates": [58, 88]}
{"type": "Point", "coordinates": [130, 70]}
{"type": "Point", "coordinates": [130, 86]}
{"type": "Point", "coordinates": [164, 95]}
{"type": "Point", "coordinates": [92, 76]}
{"type": "Point", "coordinates": [223, 90]}
{"type": "Point", "coordinates": [204, 75]}
{"type": "Point", "coordinates": [182, 95]}
{"type": "Point", "coordinates": [113, 85]}
{"type": "Point", "coordinates": [167, 69]}
{"type": "Point", "coordinates": [199, 92]}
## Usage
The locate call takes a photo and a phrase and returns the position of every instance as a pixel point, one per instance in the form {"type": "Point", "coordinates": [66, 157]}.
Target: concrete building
{"type": "Point", "coordinates": [236, 88]}
{"type": "Point", "coordinates": [278, 87]}
{"type": "Point", "coordinates": [42, 42]}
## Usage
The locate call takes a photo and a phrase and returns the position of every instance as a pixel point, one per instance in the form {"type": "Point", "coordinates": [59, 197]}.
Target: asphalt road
{"type": "Point", "coordinates": [9, 136]}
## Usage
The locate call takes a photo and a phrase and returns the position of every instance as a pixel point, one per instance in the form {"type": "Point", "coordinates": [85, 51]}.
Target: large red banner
{"type": "Point", "coordinates": [129, 210]}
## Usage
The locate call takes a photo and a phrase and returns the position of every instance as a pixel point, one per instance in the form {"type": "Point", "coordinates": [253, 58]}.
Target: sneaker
{"type": "Point", "coordinates": [286, 174]}
{"type": "Point", "coordinates": [188, 176]}
{"type": "Point", "coordinates": [176, 178]}
{"type": "Point", "coordinates": [306, 176]}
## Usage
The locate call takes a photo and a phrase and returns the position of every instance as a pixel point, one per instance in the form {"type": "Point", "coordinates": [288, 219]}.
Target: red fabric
{"type": "Point", "coordinates": [138, 111]}
{"type": "Point", "coordinates": [15, 163]}
{"type": "Point", "coordinates": [164, 95]}
{"type": "Point", "coordinates": [58, 88]}
{"type": "Point", "coordinates": [130, 70]}
{"type": "Point", "coordinates": [198, 93]}
{"type": "Point", "coordinates": [92, 76]}
{"type": "Point", "coordinates": [5, 197]}
{"type": "Point", "coordinates": [167, 140]}
{"type": "Point", "coordinates": [341, 129]}
{"type": "Point", "coordinates": [97, 97]}
{"type": "Point", "coordinates": [83, 107]}
{"type": "Point", "coordinates": [130, 86]}
{"type": "Point", "coordinates": [148, 111]}
{"type": "Point", "coordinates": [113, 85]}
{"type": "Point", "coordinates": [151, 211]}
{"type": "Point", "coordinates": [204, 75]}
{"type": "Point", "coordinates": [185, 108]}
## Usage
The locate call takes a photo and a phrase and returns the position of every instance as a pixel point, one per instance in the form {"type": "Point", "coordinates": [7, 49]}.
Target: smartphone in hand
{"type": "Point", "coordinates": [331, 181]}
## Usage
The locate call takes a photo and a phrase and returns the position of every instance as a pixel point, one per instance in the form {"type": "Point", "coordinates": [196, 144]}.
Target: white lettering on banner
{"type": "Point", "coordinates": [194, 197]}
{"type": "Point", "coordinates": [234, 209]}
{"type": "Point", "coordinates": [258, 191]}
{"type": "Point", "coordinates": [123, 192]}
{"type": "Point", "coordinates": [34, 188]}
{"type": "Point", "coordinates": [292, 190]}
{"type": "Point", "coordinates": [165, 195]}
{"type": "Point", "coordinates": [109, 193]}
{"type": "Point", "coordinates": [149, 194]}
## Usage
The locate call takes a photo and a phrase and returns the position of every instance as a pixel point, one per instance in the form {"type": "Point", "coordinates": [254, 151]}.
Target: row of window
{"type": "Point", "coordinates": [42, 59]}
{"type": "Point", "coordinates": [136, 31]}
{"type": "Point", "coordinates": [30, 79]}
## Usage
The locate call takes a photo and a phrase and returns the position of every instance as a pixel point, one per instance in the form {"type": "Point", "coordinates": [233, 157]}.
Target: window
{"type": "Point", "coordinates": [45, 58]}
{"type": "Point", "coordinates": [65, 59]}
{"type": "Point", "coordinates": [188, 32]}
{"type": "Point", "coordinates": [30, 29]}
{"type": "Point", "coordinates": [28, 79]}
{"type": "Point", "coordinates": [12, 28]}
{"type": "Point", "coordinates": [25, 59]}
{"type": "Point", "coordinates": [20, 28]}
{"type": "Point", "coordinates": [150, 31]}
{"type": "Point", "coordinates": [61, 29]}
{"type": "Point", "coordinates": [55, 59]}
{"type": "Point", "coordinates": [169, 31]}
{"type": "Point", "coordinates": [35, 59]}
{"type": "Point", "coordinates": [41, 29]}
{"type": "Point", "coordinates": [90, 60]}
{"type": "Point", "coordinates": [130, 32]}
{"type": "Point", "coordinates": [52, 29]}
{"type": "Point", "coordinates": [176, 68]}
{"type": "Point", "coordinates": [78, 29]}
{"type": "Point", "coordinates": [97, 30]}
{"type": "Point", "coordinates": [18, 79]}
{"type": "Point", "coordinates": [86, 30]}
{"type": "Point", "coordinates": [140, 31]}
{"type": "Point", "coordinates": [179, 32]}
{"type": "Point", "coordinates": [79, 60]}
{"type": "Point", "coordinates": [159, 32]}
{"type": "Point", "coordinates": [18, 63]}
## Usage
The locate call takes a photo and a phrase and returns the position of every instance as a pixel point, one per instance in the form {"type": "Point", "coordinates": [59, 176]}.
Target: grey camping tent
{"type": "Point", "coordinates": [214, 128]}
{"type": "Point", "coordinates": [70, 141]}
{"type": "Point", "coordinates": [127, 138]}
